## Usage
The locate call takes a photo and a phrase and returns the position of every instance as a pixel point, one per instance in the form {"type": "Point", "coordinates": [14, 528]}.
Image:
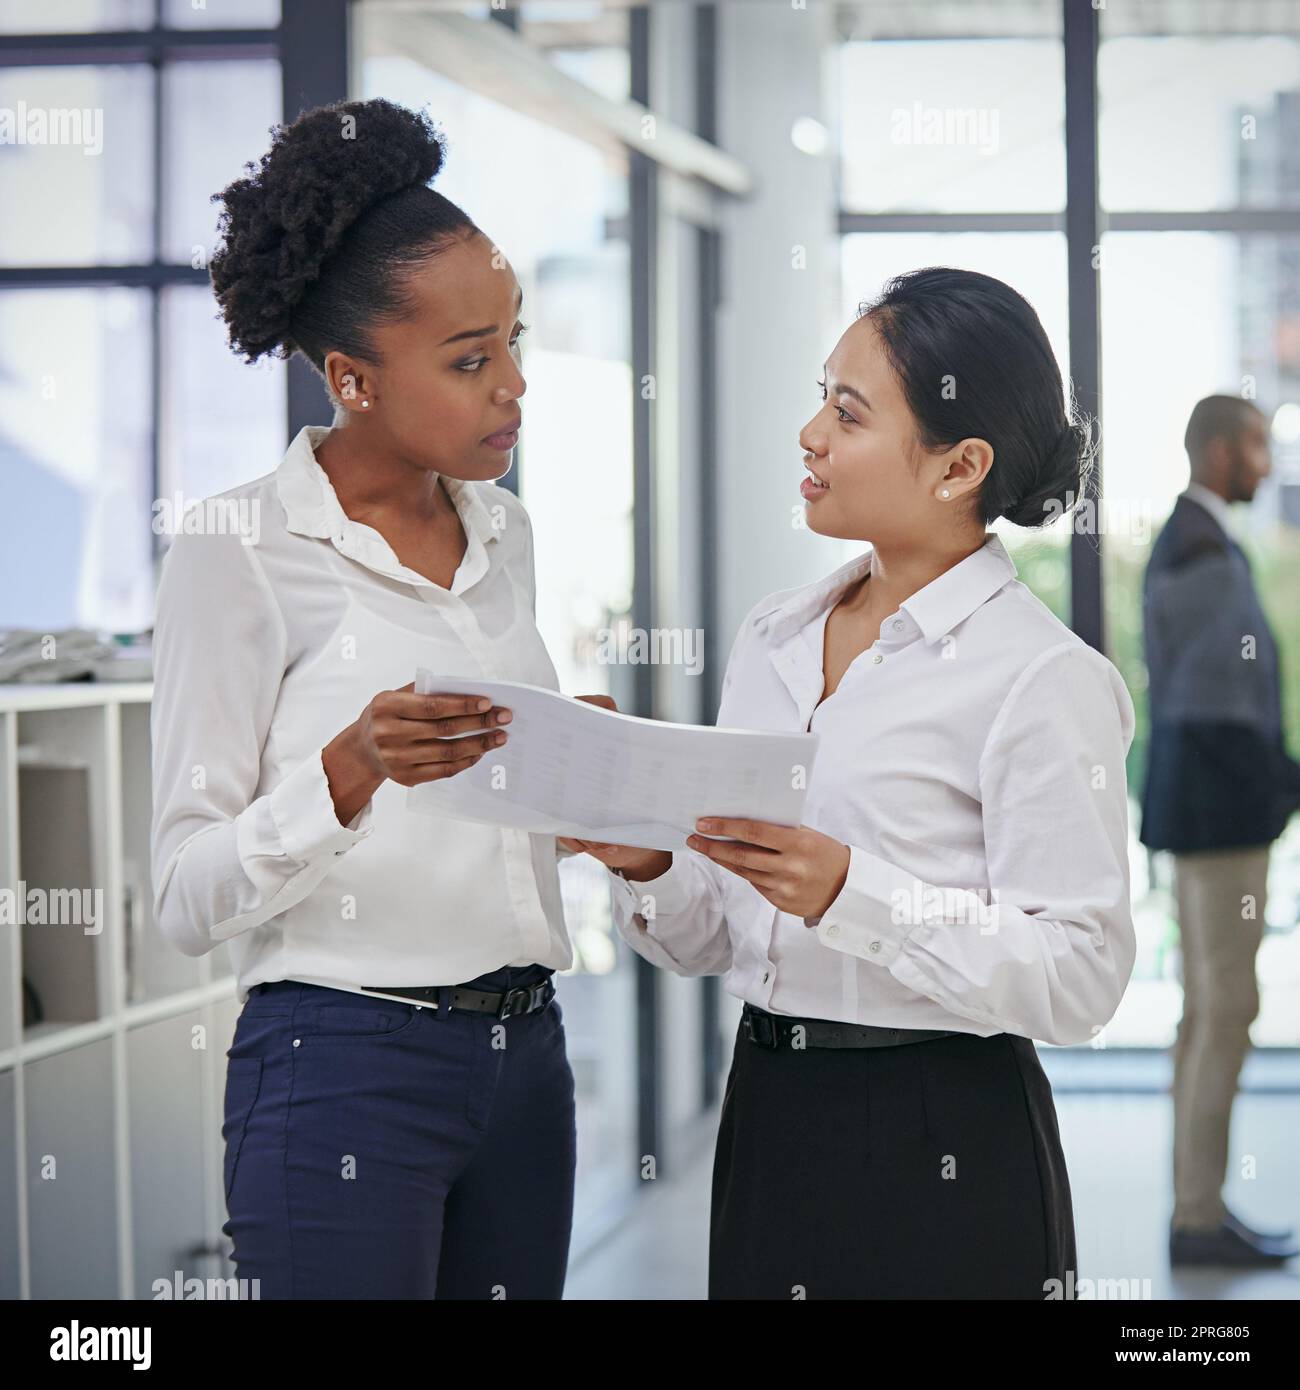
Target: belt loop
{"type": "Point", "coordinates": [444, 1000]}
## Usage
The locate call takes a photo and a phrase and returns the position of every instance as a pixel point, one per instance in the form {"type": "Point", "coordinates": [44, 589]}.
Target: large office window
{"type": "Point", "coordinates": [116, 386]}
{"type": "Point", "coordinates": [1199, 293]}
{"type": "Point", "coordinates": [953, 153]}
{"type": "Point", "coordinates": [1199, 121]}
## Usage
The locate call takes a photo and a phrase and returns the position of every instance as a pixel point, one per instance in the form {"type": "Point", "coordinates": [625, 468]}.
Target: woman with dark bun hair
{"type": "Point", "coordinates": [961, 884]}
{"type": "Point", "coordinates": [399, 1108]}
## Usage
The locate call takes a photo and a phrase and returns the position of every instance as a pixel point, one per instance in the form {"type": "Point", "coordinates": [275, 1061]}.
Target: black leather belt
{"type": "Point", "coordinates": [774, 1030]}
{"type": "Point", "coordinates": [524, 999]}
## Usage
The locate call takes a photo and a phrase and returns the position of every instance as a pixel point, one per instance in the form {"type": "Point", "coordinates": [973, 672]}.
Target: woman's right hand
{"type": "Point", "coordinates": [412, 738]}
{"type": "Point", "coordinates": [409, 739]}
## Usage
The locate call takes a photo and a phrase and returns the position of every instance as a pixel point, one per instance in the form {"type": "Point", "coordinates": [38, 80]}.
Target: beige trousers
{"type": "Point", "coordinates": [1221, 898]}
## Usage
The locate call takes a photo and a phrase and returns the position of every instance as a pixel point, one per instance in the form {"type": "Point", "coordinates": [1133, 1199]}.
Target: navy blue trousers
{"type": "Point", "coordinates": [381, 1150]}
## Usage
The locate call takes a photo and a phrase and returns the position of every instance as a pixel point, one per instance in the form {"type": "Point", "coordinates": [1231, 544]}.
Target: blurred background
{"type": "Point", "coordinates": [695, 198]}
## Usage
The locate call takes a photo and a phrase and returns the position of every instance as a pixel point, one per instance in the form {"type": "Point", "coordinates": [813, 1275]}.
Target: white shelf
{"type": "Point", "coordinates": [110, 1085]}
{"type": "Point", "coordinates": [74, 694]}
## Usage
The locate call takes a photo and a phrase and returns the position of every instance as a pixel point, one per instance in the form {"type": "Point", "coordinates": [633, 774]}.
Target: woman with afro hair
{"type": "Point", "coordinates": [399, 1107]}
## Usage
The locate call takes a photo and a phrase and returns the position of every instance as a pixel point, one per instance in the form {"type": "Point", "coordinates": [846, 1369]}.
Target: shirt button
{"type": "Point", "coordinates": [877, 659]}
{"type": "Point", "coordinates": [875, 946]}
{"type": "Point", "coordinates": [898, 623]}
{"type": "Point", "coordinates": [832, 931]}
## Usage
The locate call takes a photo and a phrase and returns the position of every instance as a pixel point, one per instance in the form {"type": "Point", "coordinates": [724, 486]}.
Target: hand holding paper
{"type": "Point", "coordinates": [797, 869]}
{"type": "Point", "coordinates": [576, 770]}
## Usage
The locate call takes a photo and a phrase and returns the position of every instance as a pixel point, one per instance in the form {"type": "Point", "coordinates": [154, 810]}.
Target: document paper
{"type": "Point", "coordinates": [572, 768]}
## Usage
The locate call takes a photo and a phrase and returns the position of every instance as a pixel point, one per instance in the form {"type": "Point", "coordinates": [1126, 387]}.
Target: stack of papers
{"type": "Point", "coordinates": [25, 654]}
{"type": "Point", "coordinates": [572, 768]}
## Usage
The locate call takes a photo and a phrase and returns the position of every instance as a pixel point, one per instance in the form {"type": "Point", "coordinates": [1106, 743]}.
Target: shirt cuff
{"type": "Point", "coordinates": [303, 811]}
{"type": "Point", "coordinates": [673, 908]}
{"type": "Point", "coordinates": [877, 910]}
{"type": "Point", "coordinates": [670, 891]}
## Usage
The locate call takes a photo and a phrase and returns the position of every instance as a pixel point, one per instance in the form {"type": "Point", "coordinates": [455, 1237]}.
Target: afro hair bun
{"type": "Point", "coordinates": [281, 223]}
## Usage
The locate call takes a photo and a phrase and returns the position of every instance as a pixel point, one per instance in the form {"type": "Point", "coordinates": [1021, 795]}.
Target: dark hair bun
{"type": "Point", "coordinates": [1062, 479]}
{"type": "Point", "coordinates": [283, 221]}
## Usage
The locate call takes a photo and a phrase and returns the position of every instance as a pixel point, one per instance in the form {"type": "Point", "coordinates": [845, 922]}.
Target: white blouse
{"type": "Point", "coordinates": [263, 652]}
{"type": "Point", "coordinates": [972, 758]}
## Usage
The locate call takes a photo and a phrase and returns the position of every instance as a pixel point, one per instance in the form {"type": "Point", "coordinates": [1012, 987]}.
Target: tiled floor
{"type": "Point", "coordinates": [1117, 1149]}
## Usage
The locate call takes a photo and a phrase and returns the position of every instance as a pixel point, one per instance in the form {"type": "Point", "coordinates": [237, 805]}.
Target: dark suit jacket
{"type": "Point", "coordinates": [1218, 774]}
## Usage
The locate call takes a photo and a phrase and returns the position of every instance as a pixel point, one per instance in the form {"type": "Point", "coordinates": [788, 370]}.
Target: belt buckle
{"type": "Point", "coordinates": [532, 997]}
{"type": "Point", "coordinates": [524, 995]}
{"type": "Point", "coordinates": [761, 1029]}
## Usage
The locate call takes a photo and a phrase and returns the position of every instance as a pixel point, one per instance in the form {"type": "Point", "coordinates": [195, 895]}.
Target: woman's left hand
{"type": "Point", "coordinates": [797, 869]}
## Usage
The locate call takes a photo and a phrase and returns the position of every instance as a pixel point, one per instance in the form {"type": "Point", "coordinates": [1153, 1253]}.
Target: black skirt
{"type": "Point", "coordinates": [925, 1170]}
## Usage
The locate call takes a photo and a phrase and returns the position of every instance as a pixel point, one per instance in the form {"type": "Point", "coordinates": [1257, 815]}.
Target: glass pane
{"type": "Point", "coordinates": [585, 38]}
{"type": "Point", "coordinates": [538, 14]}
{"type": "Point", "coordinates": [200, 155]}
{"type": "Point", "coordinates": [1226, 309]}
{"type": "Point", "coordinates": [76, 169]}
{"type": "Point", "coordinates": [1197, 123]}
{"type": "Point", "coordinates": [221, 14]}
{"type": "Point", "coordinates": [918, 19]}
{"type": "Point", "coordinates": [1032, 263]}
{"type": "Point", "coordinates": [952, 126]}
{"type": "Point", "coordinates": [223, 421]}
{"type": "Point", "coordinates": [74, 16]}
{"type": "Point", "coordinates": [577, 485]}
{"type": "Point", "coordinates": [606, 70]}
{"type": "Point", "coordinates": [75, 421]}
{"type": "Point", "coordinates": [1199, 17]}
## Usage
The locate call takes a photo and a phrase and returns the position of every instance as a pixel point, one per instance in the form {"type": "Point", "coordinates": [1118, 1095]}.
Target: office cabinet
{"type": "Point", "coordinates": [72, 1209]}
{"type": "Point", "coordinates": [112, 1043]}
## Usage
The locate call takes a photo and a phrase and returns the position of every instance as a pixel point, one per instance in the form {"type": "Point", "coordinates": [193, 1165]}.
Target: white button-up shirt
{"type": "Point", "coordinates": [263, 652]}
{"type": "Point", "coordinates": [972, 758]}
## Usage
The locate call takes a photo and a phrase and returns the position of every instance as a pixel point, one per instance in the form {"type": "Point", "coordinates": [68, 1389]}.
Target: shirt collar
{"type": "Point", "coordinates": [1209, 499]}
{"type": "Point", "coordinates": [312, 508]}
{"type": "Point", "coordinates": [936, 609]}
